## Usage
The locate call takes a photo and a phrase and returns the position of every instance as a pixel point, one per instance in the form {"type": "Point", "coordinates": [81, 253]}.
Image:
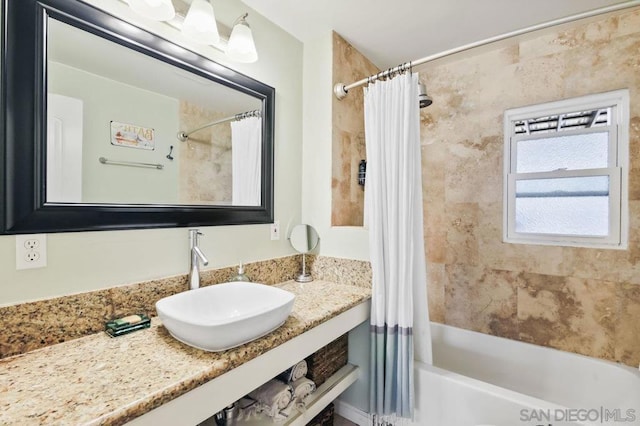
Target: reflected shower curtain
{"type": "Point", "coordinates": [393, 213]}
{"type": "Point", "coordinates": [246, 156]}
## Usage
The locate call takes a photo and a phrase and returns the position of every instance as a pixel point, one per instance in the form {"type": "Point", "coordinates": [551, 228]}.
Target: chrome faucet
{"type": "Point", "coordinates": [196, 257]}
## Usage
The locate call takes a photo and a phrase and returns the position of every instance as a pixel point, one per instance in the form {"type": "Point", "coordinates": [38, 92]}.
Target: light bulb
{"type": "Point", "coordinates": [200, 23]}
{"type": "Point", "coordinates": [241, 47]}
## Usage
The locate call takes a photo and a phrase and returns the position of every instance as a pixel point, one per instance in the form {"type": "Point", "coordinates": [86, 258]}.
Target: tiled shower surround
{"type": "Point", "coordinates": [575, 299]}
{"type": "Point", "coordinates": [205, 159]}
{"type": "Point", "coordinates": [348, 135]}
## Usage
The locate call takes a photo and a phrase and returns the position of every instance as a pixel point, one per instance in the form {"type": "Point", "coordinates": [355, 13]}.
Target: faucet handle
{"type": "Point", "coordinates": [194, 235]}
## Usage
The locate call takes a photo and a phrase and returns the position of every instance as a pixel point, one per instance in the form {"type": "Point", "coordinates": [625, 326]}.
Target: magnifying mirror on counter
{"type": "Point", "coordinates": [304, 239]}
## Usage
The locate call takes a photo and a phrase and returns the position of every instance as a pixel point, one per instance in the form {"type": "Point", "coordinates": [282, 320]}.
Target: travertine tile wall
{"type": "Point", "coordinates": [348, 135]}
{"type": "Point", "coordinates": [576, 299]}
{"type": "Point", "coordinates": [205, 159]}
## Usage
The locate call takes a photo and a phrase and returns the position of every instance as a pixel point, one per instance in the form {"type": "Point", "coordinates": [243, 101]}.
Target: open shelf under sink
{"type": "Point", "coordinates": [316, 402]}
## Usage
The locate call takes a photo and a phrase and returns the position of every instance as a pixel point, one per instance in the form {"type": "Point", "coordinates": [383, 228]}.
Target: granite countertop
{"type": "Point", "coordinates": [98, 380]}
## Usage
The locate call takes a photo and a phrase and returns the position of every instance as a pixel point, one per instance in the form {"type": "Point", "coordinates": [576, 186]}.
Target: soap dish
{"type": "Point", "coordinates": [127, 324]}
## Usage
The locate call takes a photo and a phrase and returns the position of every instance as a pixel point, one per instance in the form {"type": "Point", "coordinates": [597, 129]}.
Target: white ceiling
{"type": "Point", "coordinates": [393, 32]}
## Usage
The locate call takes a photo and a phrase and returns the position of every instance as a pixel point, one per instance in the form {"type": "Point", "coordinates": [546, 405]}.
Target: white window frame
{"type": "Point", "coordinates": [617, 168]}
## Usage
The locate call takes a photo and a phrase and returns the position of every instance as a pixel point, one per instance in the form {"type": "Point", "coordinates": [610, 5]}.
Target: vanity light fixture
{"type": "Point", "coordinates": [200, 23]}
{"type": "Point", "coordinates": [241, 47]}
{"type": "Point", "coordinates": [158, 10]}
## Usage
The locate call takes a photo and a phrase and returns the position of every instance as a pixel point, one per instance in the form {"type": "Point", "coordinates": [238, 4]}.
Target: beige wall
{"type": "Point", "coordinates": [92, 260]}
{"type": "Point", "coordinates": [581, 300]}
{"type": "Point", "coordinates": [348, 146]}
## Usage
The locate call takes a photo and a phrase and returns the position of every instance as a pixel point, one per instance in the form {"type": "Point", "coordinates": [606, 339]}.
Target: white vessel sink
{"type": "Point", "coordinates": [223, 316]}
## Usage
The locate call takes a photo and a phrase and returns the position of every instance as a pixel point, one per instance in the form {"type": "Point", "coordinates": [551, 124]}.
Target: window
{"type": "Point", "coordinates": [566, 172]}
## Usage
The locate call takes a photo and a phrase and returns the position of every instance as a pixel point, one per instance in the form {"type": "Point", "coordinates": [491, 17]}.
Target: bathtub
{"type": "Point", "coordinates": [483, 380]}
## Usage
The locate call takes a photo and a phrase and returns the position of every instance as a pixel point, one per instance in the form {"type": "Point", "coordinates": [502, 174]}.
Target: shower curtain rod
{"type": "Point", "coordinates": [341, 90]}
{"type": "Point", "coordinates": [183, 136]}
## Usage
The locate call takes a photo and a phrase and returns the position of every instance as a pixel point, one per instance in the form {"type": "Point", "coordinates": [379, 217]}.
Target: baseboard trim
{"type": "Point", "coordinates": [351, 413]}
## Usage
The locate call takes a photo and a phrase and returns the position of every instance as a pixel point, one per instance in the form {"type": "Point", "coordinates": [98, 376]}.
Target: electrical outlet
{"type": "Point", "coordinates": [31, 251]}
{"type": "Point", "coordinates": [32, 243]}
{"type": "Point", "coordinates": [31, 256]}
{"type": "Point", "coordinates": [275, 230]}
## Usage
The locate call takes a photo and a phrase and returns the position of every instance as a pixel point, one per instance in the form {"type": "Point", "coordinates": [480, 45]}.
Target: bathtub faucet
{"type": "Point", "coordinates": [196, 256]}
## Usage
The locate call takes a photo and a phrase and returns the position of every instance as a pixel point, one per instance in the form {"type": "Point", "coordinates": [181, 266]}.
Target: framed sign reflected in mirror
{"type": "Point", "coordinates": [112, 127]}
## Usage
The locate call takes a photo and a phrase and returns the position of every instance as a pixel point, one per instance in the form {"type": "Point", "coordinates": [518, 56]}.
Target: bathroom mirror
{"type": "Point", "coordinates": [111, 128]}
{"type": "Point", "coordinates": [304, 239]}
{"type": "Point", "coordinates": [107, 126]}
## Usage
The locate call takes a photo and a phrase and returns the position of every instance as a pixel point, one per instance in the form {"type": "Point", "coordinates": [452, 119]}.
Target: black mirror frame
{"type": "Point", "coordinates": [23, 119]}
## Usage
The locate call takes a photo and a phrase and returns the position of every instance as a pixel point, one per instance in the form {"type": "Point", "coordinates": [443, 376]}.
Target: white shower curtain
{"type": "Point", "coordinates": [393, 213]}
{"type": "Point", "coordinates": [246, 156]}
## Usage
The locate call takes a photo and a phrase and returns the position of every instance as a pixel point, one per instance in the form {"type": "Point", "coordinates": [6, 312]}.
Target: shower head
{"type": "Point", "coordinates": [424, 99]}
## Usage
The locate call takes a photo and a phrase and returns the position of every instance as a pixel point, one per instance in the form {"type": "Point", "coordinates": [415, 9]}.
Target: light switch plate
{"type": "Point", "coordinates": [275, 230]}
{"type": "Point", "coordinates": [31, 251]}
